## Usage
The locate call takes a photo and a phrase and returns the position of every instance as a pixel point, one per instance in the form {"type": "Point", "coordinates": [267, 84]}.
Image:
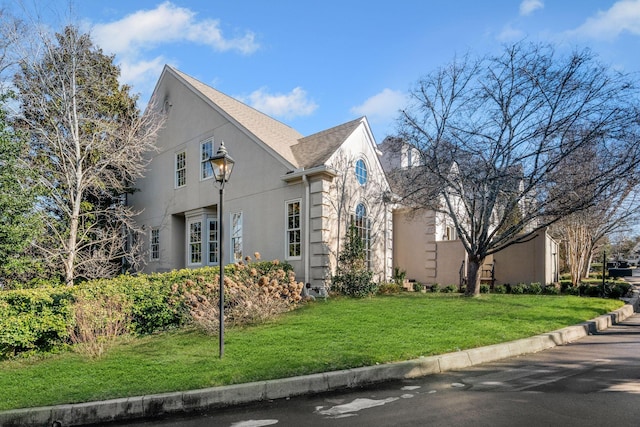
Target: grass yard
{"type": "Point", "coordinates": [321, 336]}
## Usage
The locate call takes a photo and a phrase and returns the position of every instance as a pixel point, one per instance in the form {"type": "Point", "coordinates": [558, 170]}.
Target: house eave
{"type": "Point", "coordinates": [297, 174]}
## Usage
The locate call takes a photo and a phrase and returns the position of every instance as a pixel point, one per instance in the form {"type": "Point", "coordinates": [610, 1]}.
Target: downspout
{"type": "Point", "coordinates": [307, 228]}
{"type": "Point", "coordinates": [386, 241]}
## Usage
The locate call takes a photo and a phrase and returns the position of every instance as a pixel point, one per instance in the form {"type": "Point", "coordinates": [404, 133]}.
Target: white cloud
{"type": "Point", "coordinates": [141, 74]}
{"type": "Point", "coordinates": [167, 23]}
{"type": "Point", "coordinates": [289, 105]}
{"type": "Point", "coordinates": [133, 37]}
{"type": "Point", "coordinates": [623, 16]}
{"type": "Point", "coordinates": [509, 34]}
{"type": "Point", "coordinates": [529, 6]}
{"type": "Point", "coordinates": [382, 107]}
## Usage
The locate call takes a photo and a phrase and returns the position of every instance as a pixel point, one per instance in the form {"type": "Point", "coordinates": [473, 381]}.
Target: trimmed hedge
{"type": "Point", "coordinates": [41, 319]}
{"type": "Point", "coordinates": [34, 319]}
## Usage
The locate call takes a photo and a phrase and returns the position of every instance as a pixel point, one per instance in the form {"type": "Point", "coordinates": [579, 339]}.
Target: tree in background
{"type": "Point", "coordinates": [584, 233]}
{"type": "Point", "coordinates": [493, 135]}
{"type": "Point", "coordinates": [18, 218]}
{"type": "Point", "coordinates": [88, 143]}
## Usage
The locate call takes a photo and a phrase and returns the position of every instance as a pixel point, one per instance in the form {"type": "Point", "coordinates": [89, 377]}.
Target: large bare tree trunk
{"type": "Point", "coordinates": [473, 276]}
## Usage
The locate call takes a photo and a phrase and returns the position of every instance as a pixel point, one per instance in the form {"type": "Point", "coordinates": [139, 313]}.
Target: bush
{"type": "Point", "coordinates": [534, 288]}
{"type": "Point", "coordinates": [519, 289]}
{"type": "Point", "coordinates": [618, 290]}
{"type": "Point", "coordinates": [399, 276]}
{"type": "Point", "coordinates": [449, 289]}
{"type": "Point", "coordinates": [551, 289]}
{"type": "Point", "coordinates": [500, 289]}
{"type": "Point", "coordinates": [572, 290]}
{"type": "Point", "coordinates": [591, 290]}
{"type": "Point", "coordinates": [387, 288]}
{"type": "Point", "coordinates": [352, 276]}
{"type": "Point", "coordinates": [94, 312]}
{"type": "Point", "coordinates": [34, 319]}
{"type": "Point", "coordinates": [253, 293]}
{"type": "Point", "coordinates": [484, 289]}
{"type": "Point", "coordinates": [435, 288]}
{"type": "Point", "coordinates": [565, 284]}
{"type": "Point", "coordinates": [99, 320]}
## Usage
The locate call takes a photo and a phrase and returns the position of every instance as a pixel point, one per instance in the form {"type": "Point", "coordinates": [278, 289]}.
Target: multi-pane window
{"type": "Point", "coordinates": [363, 226]}
{"type": "Point", "coordinates": [361, 172]}
{"type": "Point", "coordinates": [195, 242]}
{"type": "Point", "coordinates": [213, 240]}
{"type": "Point", "coordinates": [155, 244]}
{"type": "Point", "coordinates": [293, 229]}
{"type": "Point", "coordinates": [206, 152]}
{"type": "Point", "coordinates": [236, 236]}
{"type": "Point", "coordinates": [181, 169]}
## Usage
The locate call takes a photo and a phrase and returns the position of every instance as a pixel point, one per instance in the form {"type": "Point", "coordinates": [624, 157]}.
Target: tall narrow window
{"type": "Point", "coordinates": [361, 172]}
{"type": "Point", "coordinates": [206, 152]}
{"type": "Point", "coordinates": [293, 230]}
{"type": "Point", "coordinates": [155, 244]}
{"type": "Point", "coordinates": [195, 242]}
{"type": "Point", "coordinates": [236, 236]}
{"type": "Point", "coordinates": [213, 240]}
{"type": "Point", "coordinates": [181, 169]}
{"type": "Point", "coordinates": [362, 224]}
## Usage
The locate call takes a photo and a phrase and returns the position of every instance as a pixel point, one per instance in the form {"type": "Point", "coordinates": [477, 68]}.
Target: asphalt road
{"type": "Point", "coordinates": [592, 382]}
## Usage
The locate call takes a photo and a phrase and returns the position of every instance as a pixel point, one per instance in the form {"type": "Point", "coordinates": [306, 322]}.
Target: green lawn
{"type": "Point", "coordinates": [322, 336]}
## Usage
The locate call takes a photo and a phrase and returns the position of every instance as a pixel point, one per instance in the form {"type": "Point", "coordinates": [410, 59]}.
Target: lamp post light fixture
{"type": "Point", "coordinates": [222, 165]}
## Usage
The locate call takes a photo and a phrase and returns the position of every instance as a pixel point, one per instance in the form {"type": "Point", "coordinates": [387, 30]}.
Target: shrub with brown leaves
{"type": "Point", "coordinates": [253, 293]}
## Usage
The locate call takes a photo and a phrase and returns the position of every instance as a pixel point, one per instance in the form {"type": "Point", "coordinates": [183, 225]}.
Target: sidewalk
{"type": "Point", "coordinates": [218, 397]}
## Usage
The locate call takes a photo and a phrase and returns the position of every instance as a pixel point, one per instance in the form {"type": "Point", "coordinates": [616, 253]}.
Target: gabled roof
{"type": "Point", "coordinates": [281, 139]}
{"type": "Point", "coordinates": [315, 150]}
{"type": "Point", "coordinates": [270, 131]}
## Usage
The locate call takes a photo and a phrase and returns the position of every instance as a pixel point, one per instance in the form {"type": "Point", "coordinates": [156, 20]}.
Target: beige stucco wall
{"type": "Point", "coordinates": [451, 255]}
{"type": "Point", "coordinates": [428, 261]}
{"type": "Point", "coordinates": [344, 193]}
{"type": "Point", "coordinates": [255, 187]}
{"type": "Point", "coordinates": [532, 261]}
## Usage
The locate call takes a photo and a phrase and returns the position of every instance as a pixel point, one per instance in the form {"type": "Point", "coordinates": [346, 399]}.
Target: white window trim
{"type": "Point", "coordinates": [368, 240]}
{"type": "Point", "coordinates": [151, 244]}
{"type": "Point", "coordinates": [204, 162]}
{"type": "Point", "coordinates": [232, 254]}
{"type": "Point", "coordinates": [366, 168]}
{"type": "Point", "coordinates": [208, 219]}
{"type": "Point", "coordinates": [175, 167]}
{"type": "Point", "coordinates": [202, 242]}
{"type": "Point", "coordinates": [286, 230]}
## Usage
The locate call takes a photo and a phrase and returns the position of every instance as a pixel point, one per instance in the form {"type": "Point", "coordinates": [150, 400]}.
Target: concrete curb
{"type": "Point", "coordinates": [218, 397]}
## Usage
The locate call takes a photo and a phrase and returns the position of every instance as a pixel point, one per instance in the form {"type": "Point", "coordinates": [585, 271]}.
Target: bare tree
{"type": "Point", "coordinates": [495, 133]}
{"type": "Point", "coordinates": [88, 145]}
{"type": "Point", "coordinates": [584, 233]}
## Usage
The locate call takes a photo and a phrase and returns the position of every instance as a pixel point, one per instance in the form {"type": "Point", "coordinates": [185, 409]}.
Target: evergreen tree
{"type": "Point", "coordinates": [18, 220]}
{"type": "Point", "coordinates": [353, 278]}
{"type": "Point", "coordinates": [88, 143]}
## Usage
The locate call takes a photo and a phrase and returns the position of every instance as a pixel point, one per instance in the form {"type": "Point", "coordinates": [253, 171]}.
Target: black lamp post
{"type": "Point", "coordinates": [222, 165]}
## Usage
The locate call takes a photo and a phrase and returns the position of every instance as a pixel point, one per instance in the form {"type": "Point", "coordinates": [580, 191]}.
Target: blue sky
{"type": "Point", "coordinates": [315, 65]}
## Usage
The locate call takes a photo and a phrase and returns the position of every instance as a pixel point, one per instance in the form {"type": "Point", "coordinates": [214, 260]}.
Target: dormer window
{"type": "Point", "coordinates": [361, 172]}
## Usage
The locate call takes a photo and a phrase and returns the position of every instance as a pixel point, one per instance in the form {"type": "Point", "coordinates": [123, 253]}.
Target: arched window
{"type": "Point", "coordinates": [362, 224]}
{"type": "Point", "coordinates": [361, 172]}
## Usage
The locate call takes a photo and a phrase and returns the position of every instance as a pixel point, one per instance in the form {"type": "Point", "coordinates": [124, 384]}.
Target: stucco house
{"type": "Point", "coordinates": [426, 247]}
{"type": "Point", "coordinates": [290, 197]}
